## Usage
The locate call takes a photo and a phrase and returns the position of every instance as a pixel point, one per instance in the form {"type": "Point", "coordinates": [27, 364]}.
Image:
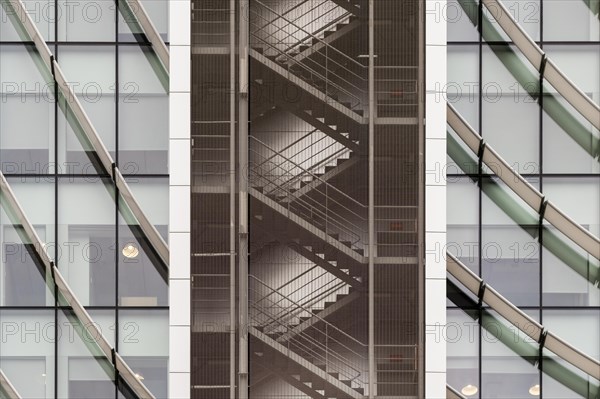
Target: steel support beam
{"type": "Point", "coordinates": [243, 104]}
{"type": "Point", "coordinates": [371, 206]}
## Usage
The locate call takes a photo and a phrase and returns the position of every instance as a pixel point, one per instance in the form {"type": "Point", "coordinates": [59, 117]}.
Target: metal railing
{"type": "Point", "coordinates": [325, 71]}
{"type": "Point", "coordinates": [322, 208]}
{"type": "Point", "coordinates": [310, 298]}
{"type": "Point", "coordinates": [322, 152]}
{"type": "Point", "coordinates": [322, 342]}
{"type": "Point", "coordinates": [326, 207]}
{"type": "Point", "coordinates": [328, 15]}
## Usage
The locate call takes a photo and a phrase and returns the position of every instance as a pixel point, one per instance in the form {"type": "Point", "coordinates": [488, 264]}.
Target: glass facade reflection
{"type": "Point", "coordinates": [46, 351]}
{"type": "Point", "coordinates": [497, 235]}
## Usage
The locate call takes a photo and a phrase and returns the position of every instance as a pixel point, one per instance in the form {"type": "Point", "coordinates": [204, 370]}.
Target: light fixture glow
{"type": "Point", "coordinates": [469, 390]}
{"type": "Point", "coordinates": [139, 376]}
{"type": "Point", "coordinates": [535, 390]}
{"type": "Point", "coordinates": [130, 251]}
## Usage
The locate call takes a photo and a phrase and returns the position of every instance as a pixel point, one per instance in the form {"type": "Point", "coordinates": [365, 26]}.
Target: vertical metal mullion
{"type": "Point", "coordinates": [480, 186]}
{"type": "Point", "coordinates": [541, 181]}
{"type": "Point", "coordinates": [371, 210]}
{"type": "Point", "coordinates": [56, 202]}
{"type": "Point", "coordinates": [244, 64]}
{"type": "Point", "coordinates": [232, 182]}
{"type": "Point", "coordinates": [117, 101]}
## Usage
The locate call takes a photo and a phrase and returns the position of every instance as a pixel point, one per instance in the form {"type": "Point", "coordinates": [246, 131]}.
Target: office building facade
{"type": "Point", "coordinates": [300, 199]}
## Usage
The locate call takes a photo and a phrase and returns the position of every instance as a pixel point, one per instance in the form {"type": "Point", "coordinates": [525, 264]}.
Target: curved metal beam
{"type": "Point", "coordinates": [536, 200]}
{"type": "Point", "coordinates": [8, 388]}
{"type": "Point", "coordinates": [519, 319]}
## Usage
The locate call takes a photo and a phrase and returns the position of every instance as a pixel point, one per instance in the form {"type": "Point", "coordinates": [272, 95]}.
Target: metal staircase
{"type": "Point", "coordinates": [309, 60]}
{"type": "Point", "coordinates": [320, 359]}
{"type": "Point", "coordinates": [302, 198]}
{"type": "Point", "coordinates": [320, 352]}
{"type": "Point", "coordinates": [324, 212]}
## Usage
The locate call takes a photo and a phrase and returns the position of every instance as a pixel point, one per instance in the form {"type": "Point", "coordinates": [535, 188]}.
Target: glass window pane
{"type": "Point", "coordinates": [86, 217]}
{"type": "Point", "coordinates": [508, 368]}
{"type": "Point", "coordinates": [144, 345]}
{"type": "Point", "coordinates": [576, 327]}
{"type": "Point", "coordinates": [580, 63]}
{"type": "Point", "coordinates": [89, 21]}
{"type": "Point", "coordinates": [510, 250]}
{"type": "Point", "coordinates": [158, 12]}
{"type": "Point", "coordinates": [463, 81]}
{"type": "Point", "coordinates": [84, 371]}
{"type": "Point", "coordinates": [456, 14]}
{"type": "Point", "coordinates": [27, 351]}
{"type": "Point", "coordinates": [42, 12]}
{"type": "Point", "coordinates": [462, 339]}
{"type": "Point", "coordinates": [568, 151]}
{"type": "Point", "coordinates": [567, 20]}
{"type": "Point", "coordinates": [22, 276]}
{"type": "Point", "coordinates": [140, 283]}
{"type": "Point", "coordinates": [143, 115]}
{"type": "Point", "coordinates": [26, 113]}
{"type": "Point", "coordinates": [527, 13]}
{"type": "Point", "coordinates": [515, 138]}
{"type": "Point", "coordinates": [91, 69]}
{"type": "Point", "coordinates": [463, 221]}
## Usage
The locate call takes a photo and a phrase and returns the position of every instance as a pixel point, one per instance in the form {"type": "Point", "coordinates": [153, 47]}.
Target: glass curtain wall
{"type": "Point", "coordinates": [72, 204]}
{"type": "Point", "coordinates": [494, 87]}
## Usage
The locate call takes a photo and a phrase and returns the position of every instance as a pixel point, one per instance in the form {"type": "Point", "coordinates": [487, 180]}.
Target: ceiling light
{"type": "Point", "coordinates": [469, 390]}
{"type": "Point", "coordinates": [139, 376]}
{"type": "Point", "coordinates": [535, 390]}
{"type": "Point", "coordinates": [130, 251]}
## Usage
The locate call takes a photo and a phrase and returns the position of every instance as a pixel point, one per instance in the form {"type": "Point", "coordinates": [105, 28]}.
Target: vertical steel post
{"type": "Point", "coordinates": [371, 216]}
{"type": "Point", "coordinates": [232, 191]}
{"type": "Point", "coordinates": [244, 64]}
